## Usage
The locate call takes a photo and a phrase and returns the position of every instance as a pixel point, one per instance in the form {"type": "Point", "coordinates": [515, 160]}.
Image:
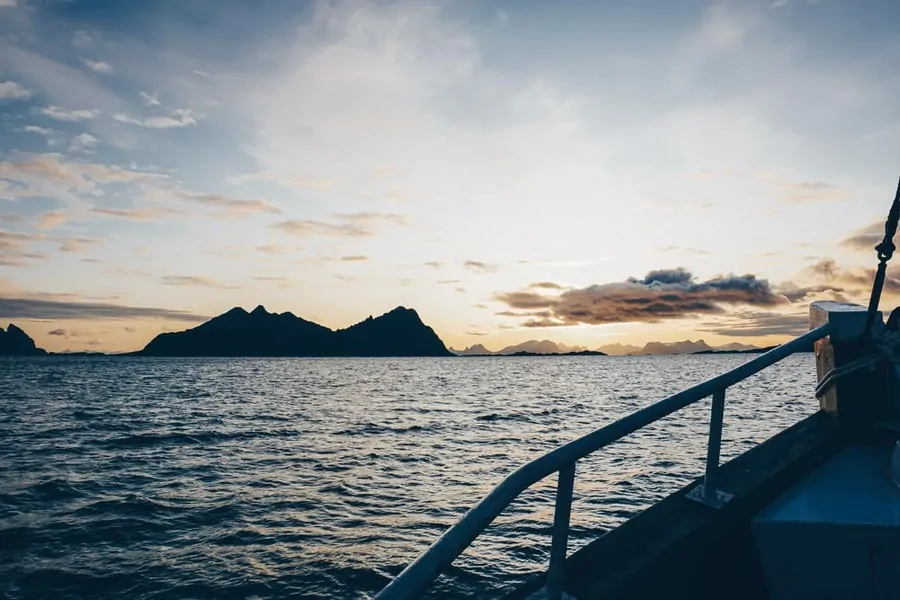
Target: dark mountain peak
{"type": "Point", "coordinates": [401, 312]}
{"type": "Point", "coordinates": [237, 311]}
{"type": "Point", "coordinates": [259, 310]}
{"type": "Point", "coordinates": [15, 331]}
{"type": "Point", "coordinates": [15, 342]}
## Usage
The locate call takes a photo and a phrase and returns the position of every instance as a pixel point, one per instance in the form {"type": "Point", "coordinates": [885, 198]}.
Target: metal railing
{"type": "Point", "coordinates": [416, 577]}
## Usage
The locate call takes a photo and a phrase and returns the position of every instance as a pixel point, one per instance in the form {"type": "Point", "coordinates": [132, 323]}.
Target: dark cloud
{"type": "Point", "coordinates": [855, 281]}
{"type": "Point", "coordinates": [760, 324]}
{"type": "Point", "coordinates": [545, 323]}
{"type": "Point", "coordinates": [59, 332]}
{"type": "Point", "coordinates": [546, 285]}
{"type": "Point", "coordinates": [480, 267]}
{"type": "Point", "coordinates": [661, 294]}
{"type": "Point", "coordinates": [354, 258]}
{"type": "Point", "coordinates": [38, 308]}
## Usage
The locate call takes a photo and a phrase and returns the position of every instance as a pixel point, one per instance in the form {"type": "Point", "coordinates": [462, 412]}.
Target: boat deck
{"type": "Point", "coordinates": [682, 548]}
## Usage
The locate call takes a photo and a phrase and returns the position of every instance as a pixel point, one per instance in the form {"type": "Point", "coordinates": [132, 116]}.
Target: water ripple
{"type": "Point", "coordinates": [322, 478]}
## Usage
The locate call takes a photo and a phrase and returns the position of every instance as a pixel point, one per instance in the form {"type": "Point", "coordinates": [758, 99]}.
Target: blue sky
{"type": "Point", "coordinates": [512, 170]}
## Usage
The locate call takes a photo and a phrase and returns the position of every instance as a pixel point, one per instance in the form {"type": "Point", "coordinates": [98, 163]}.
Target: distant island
{"type": "Point", "coordinates": [549, 348]}
{"type": "Point", "coordinates": [399, 332]}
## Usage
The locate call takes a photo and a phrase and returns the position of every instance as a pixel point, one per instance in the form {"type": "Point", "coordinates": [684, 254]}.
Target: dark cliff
{"type": "Point", "coordinates": [261, 333]}
{"type": "Point", "coordinates": [15, 342]}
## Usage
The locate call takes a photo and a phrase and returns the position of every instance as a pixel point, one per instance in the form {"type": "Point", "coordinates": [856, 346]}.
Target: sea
{"type": "Point", "coordinates": [147, 478]}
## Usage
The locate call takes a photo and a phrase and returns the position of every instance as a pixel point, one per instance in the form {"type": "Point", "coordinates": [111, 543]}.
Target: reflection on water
{"type": "Point", "coordinates": [242, 478]}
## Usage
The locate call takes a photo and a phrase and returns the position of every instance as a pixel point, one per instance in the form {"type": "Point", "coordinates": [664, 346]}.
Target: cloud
{"type": "Point", "coordinates": [82, 141]}
{"type": "Point", "coordinates": [435, 264]}
{"type": "Point", "coordinates": [694, 251]}
{"type": "Point", "coordinates": [136, 214]}
{"type": "Point", "coordinates": [348, 225]}
{"type": "Point", "coordinates": [149, 99]}
{"type": "Point", "coordinates": [59, 332]}
{"type": "Point", "coordinates": [181, 117]}
{"type": "Point", "coordinates": [480, 267]}
{"type": "Point", "coordinates": [14, 248]}
{"type": "Point", "coordinates": [759, 324]}
{"type": "Point", "coordinates": [45, 309]}
{"type": "Point", "coordinates": [866, 238]}
{"type": "Point", "coordinates": [190, 280]}
{"type": "Point", "coordinates": [8, 3]}
{"type": "Point", "coordinates": [99, 66]}
{"type": "Point", "coordinates": [354, 258]}
{"type": "Point", "coordinates": [10, 90]}
{"type": "Point", "coordinates": [449, 281]}
{"type": "Point", "coordinates": [52, 220]}
{"type": "Point", "coordinates": [796, 293]}
{"type": "Point", "coordinates": [856, 282]}
{"type": "Point", "coordinates": [274, 249]}
{"type": "Point", "coordinates": [50, 167]}
{"type": "Point", "coordinates": [660, 295]}
{"type": "Point", "coordinates": [809, 191]}
{"type": "Point", "coordinates": [71, 116]}
{"type": "Point", "coordinates": [44, 131]}
{"type": "Point", "coordinates": [82, 39]}
{"type": "Point", "coordinates": [42, 166]}
{"type": "Point", "coordinates": [232, 206]}
{"type": "Point", "coordinates": [79, 244]}
{"type": "Point", "coordinates": [546, 285]}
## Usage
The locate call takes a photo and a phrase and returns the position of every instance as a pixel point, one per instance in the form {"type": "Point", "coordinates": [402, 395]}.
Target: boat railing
{"type": "Point", "coordinates": [419, 575]}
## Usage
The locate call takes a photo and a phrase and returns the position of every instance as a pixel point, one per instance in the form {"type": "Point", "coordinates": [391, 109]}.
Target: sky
{"type": "Point", "coordinates": [584, 172]}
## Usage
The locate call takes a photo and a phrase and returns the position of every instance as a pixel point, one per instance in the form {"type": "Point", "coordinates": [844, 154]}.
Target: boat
{"type": "Point", "coordinates": [813, 512]}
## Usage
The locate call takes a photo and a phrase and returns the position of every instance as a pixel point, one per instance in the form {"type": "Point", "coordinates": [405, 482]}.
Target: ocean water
{"type": "Point", "coordinates": [322, 478]}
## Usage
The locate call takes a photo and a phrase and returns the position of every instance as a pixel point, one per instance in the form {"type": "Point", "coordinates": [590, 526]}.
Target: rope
{"type": "Point", "coordinates": [833, 375]}
{"type": "Point", "coordinates": [883, 351]}
{"type": "Point", "coordinates": [885, 251]}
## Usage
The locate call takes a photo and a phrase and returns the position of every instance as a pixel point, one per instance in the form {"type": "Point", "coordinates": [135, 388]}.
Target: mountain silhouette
{"type": "Point", "coordinates": [531, 347]}
{"type": "Point", "coordinates": [543, 347]}
{"type": "Point", "coordinates": [685, 347]}
{"type": "Point", "coordinates": [15, 342]}
{"type": "Point", "coordinates": [476, 350]}
{"type": "Point", "coordinates": [261, 333]}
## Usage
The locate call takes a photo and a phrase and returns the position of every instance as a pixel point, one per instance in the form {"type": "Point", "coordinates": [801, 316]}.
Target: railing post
{"type": "Point", "coordinates": [858, 398]}
{"type": "Point", "coordinates": [714, 445]}
{"type": "Point", "coordinates": [708, 492]}
{"type": "Point", "coordinates": [560, 542]}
